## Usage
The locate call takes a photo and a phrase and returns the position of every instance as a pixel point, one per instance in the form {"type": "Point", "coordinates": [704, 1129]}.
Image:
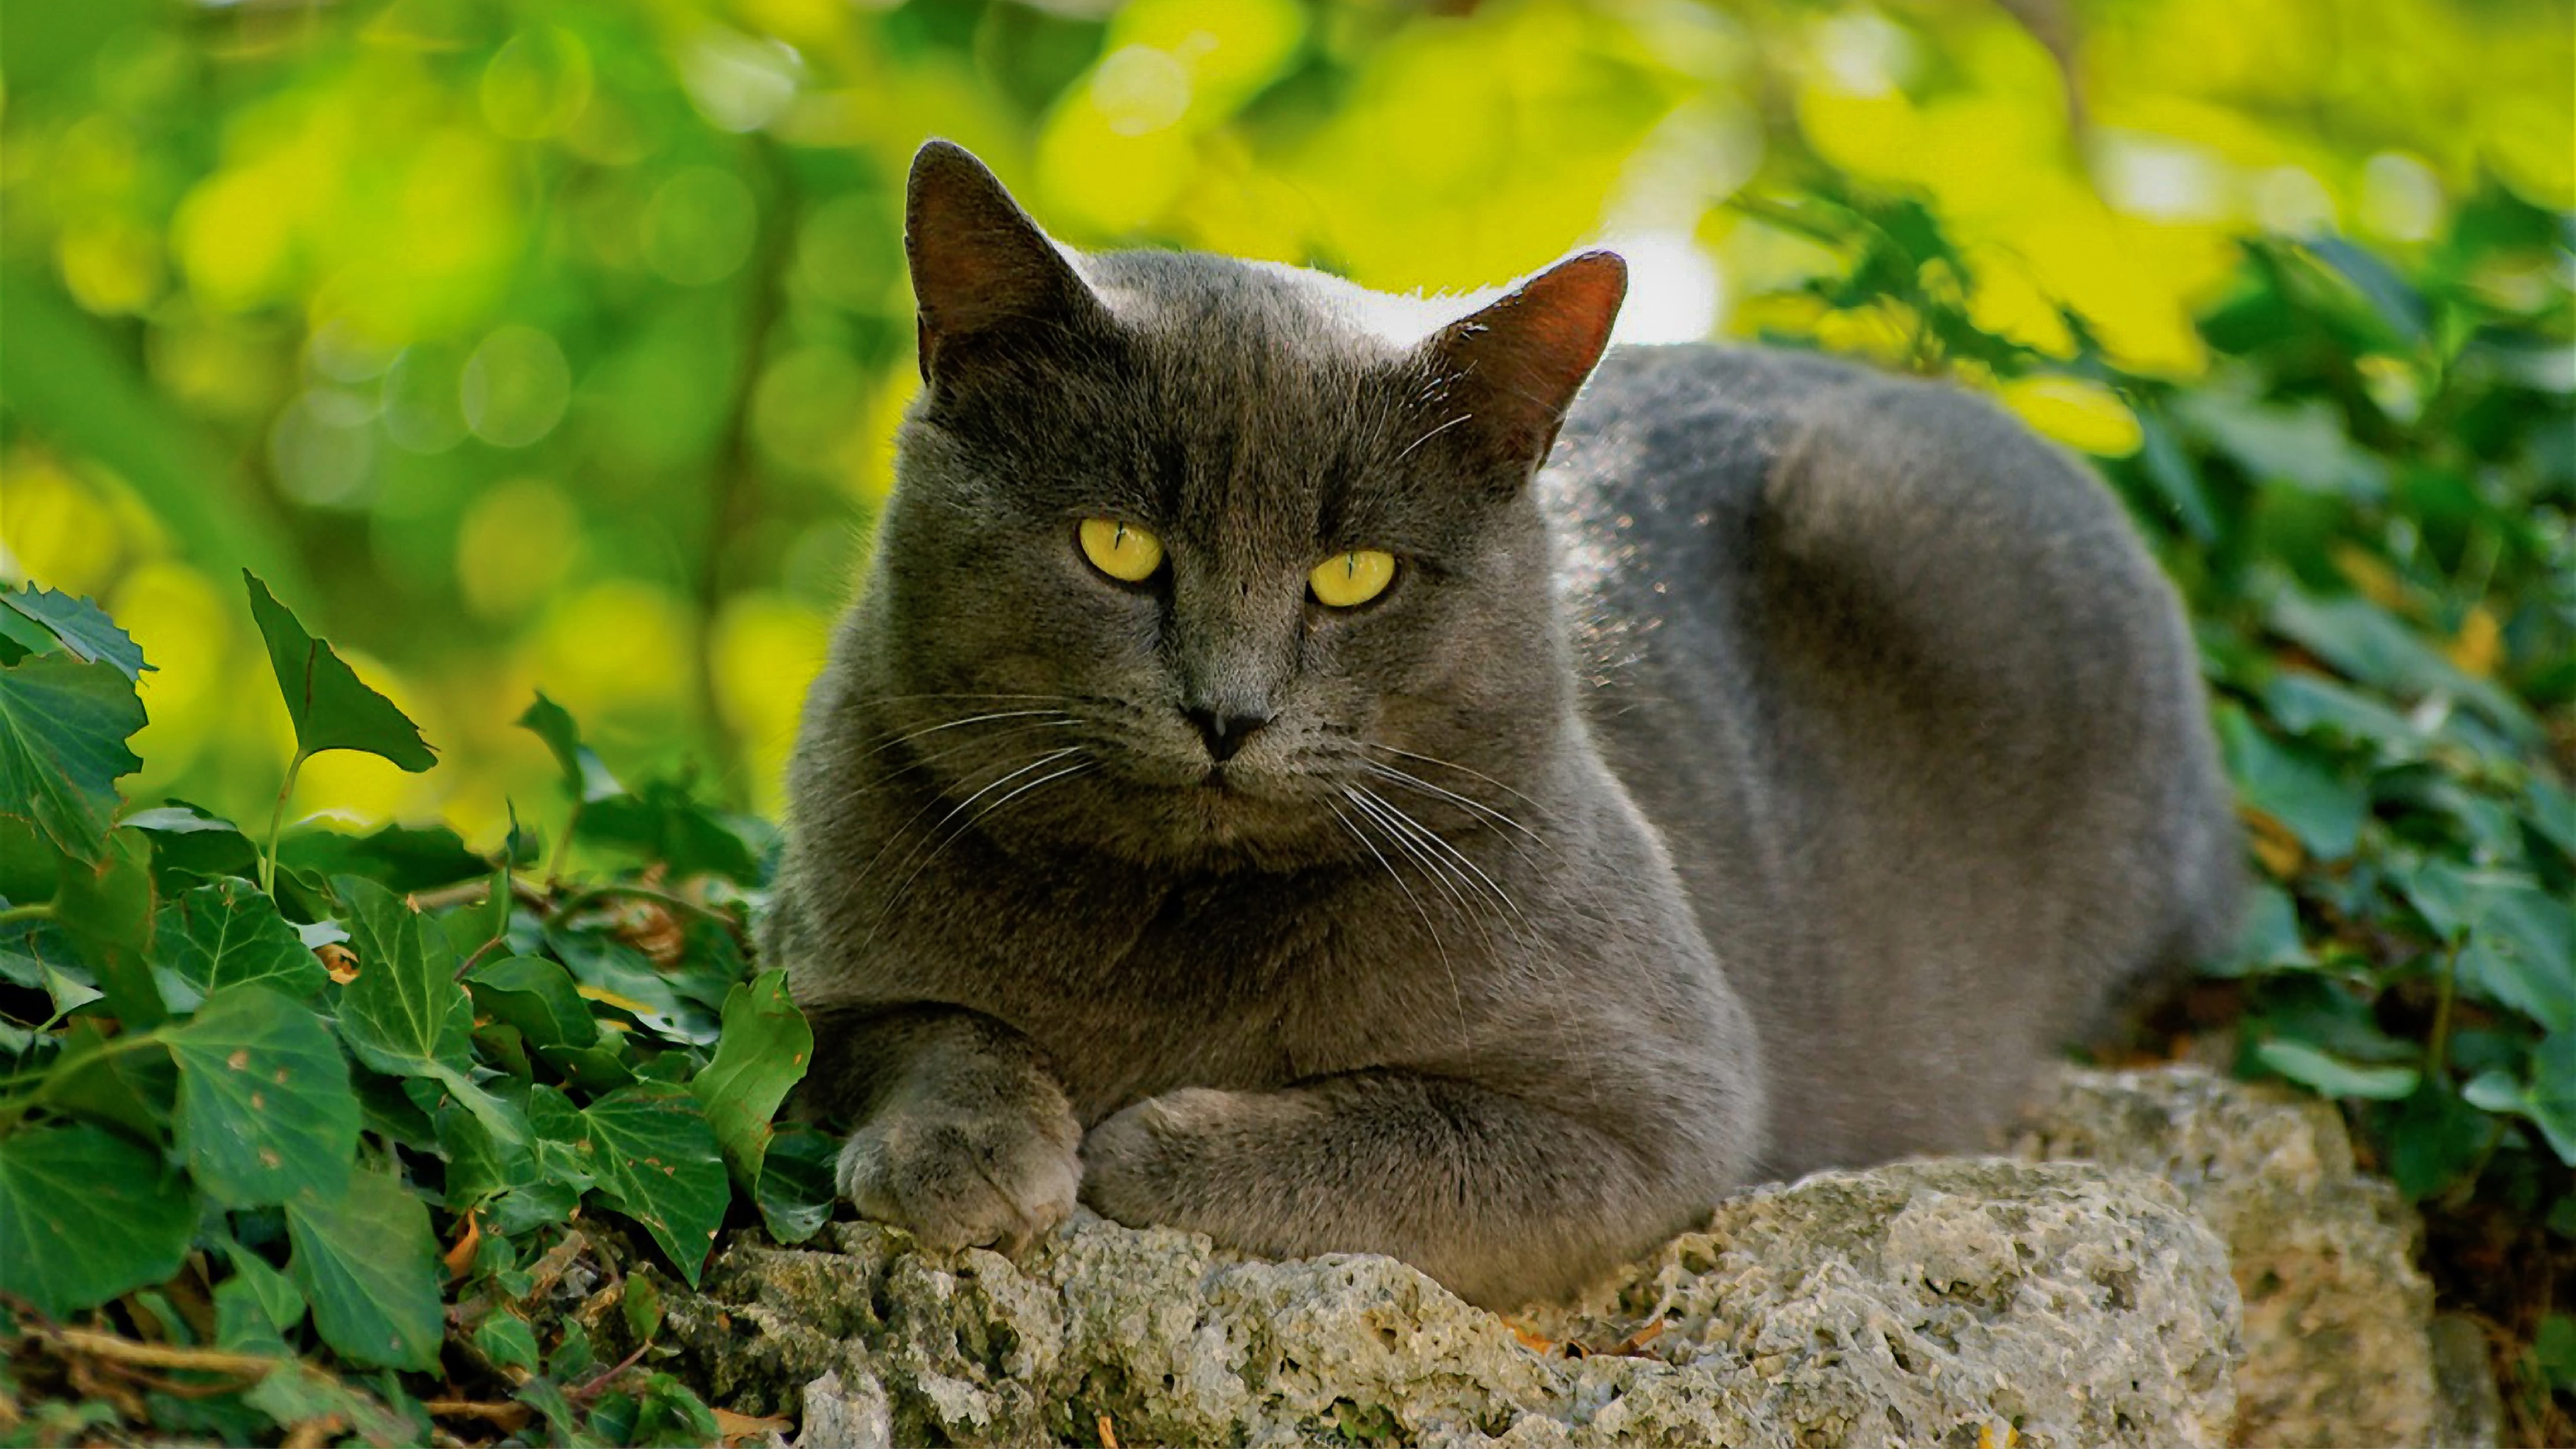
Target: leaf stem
{"type": "Point", "coordinates": [2438, 1049]}
{"type": "Point", "coordinates": [563, 844]}
{"type": "Point", "coordinates": [14, 1105]}
{"type": "Point", "coordinates": [277, 823]}
{"type": "Point", "coordinates": [160, 1355]}
{"type": "Point", "coordinates": [40, 911]}
{"type": "Point", "coordinates": [470, 962]}
{"type": "Point", "coordinates": [590, 1388]}
{"type": "Point", "coordinates": [592, 895]}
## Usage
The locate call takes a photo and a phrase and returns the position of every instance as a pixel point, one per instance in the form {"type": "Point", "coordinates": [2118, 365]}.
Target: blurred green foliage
{"type": "Point", "coordinates": [537, 342]}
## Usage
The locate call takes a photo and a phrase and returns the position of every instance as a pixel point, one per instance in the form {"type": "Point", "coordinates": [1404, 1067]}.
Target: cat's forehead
{"type": "Point", "coordinates": [1269, 393]}
{"type": "Point", "coordinates": [1227, 304]}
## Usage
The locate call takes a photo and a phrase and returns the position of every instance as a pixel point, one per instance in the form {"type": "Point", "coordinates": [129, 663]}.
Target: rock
{"type": "Point", "coordinates": [838, 1415]}
{"type": "Point", "coordinates": [2338, 1340]}
{"type": "Point", "coordinates": [1952, 1301]}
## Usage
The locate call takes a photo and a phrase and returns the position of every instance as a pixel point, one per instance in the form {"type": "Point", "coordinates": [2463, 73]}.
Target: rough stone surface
{"type": "Point", "coordinates": [2338, 1319]}
{"type": "Point", "coordinates": [1933, 1302]}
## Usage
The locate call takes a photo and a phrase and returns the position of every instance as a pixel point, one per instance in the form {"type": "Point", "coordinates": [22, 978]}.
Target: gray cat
{"type": "Point", "coordinates": [1252, 794]}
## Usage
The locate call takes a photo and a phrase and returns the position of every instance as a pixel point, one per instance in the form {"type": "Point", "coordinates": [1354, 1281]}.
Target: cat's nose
{"type": "Point", "coordinates": [1223, 729]}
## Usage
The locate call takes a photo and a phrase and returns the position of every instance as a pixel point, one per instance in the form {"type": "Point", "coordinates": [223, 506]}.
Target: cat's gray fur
{"type": "Point", "coordinates": [1782, 775]}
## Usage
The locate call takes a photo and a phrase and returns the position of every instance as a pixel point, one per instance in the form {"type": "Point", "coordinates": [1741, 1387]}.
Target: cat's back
{"type": "Point", "coordinates": [1917, 715]}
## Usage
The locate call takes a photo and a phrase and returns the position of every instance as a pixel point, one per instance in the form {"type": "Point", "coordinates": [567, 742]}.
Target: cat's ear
{"type": "Point", "coordinates": [1513, 367]}
{"type": "Point", "coordinates": [980, 266]}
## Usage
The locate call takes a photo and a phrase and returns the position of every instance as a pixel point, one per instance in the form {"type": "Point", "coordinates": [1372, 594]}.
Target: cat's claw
{"type": "Point", "coordinates": [960, 1180]}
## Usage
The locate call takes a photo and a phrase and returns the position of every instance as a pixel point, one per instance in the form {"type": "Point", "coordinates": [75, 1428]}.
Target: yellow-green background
{"type": "Point", "coordinates": [556, 345]}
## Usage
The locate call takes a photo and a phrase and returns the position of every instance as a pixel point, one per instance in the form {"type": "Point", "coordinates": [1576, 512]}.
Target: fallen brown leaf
{"type": "Point", "coordinates": [735, 1428]}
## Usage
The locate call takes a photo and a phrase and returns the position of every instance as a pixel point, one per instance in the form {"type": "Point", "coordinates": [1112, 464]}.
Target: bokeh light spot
{"type": "Point", "coordinates": [1139, 89]}
{"type": "Point", "coordinates": [514, 546]}
{"type": "Point", "coordinates": [768, 648]}
{"type": "Point", "coordinates": [323, 448]}
{"type": "Point", "coordinates": [515, 386]}
{"type": "Point", "coordinates": [699, 225]}
{"type": "Point", "coordinates": [537, 84]}
{"type": "Point", "coordinates": [740, 83]}
{"type": "Point", "coordinates": [809, 407]}
{"type": "Point", "coordinates": [184, 627]}
{"type": "Point", "coordinates": [616, 644]}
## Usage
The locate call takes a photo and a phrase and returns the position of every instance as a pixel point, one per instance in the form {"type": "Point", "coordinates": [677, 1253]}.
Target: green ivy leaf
{"type": "Point", "coordinates": [2369, 644]}
{"type": "Point", "coordinates": [2554, 1349]}
{"type": "Point", "coordinates": [243, 1323]}
{"type": "Point", "coordinates": [134, 1090]}
{"type": "Point", "coordinates": [762, 1052]}
{"type": "Point", "coordinates": [105, 906]}
{"type": "Point", "coordinates": [265, 1110]}
{"type": "Point", "coordinates": [2434, 1138]}
{"type": "Point", "coordinates": [506, 1339]}
{"type": "Point", "coordinates": [369, 1267]}
{"type": "Point", "coordinates": [401, 858]}
{"type": "Point", "coordinates": [660, 822]}
{"type": "Point", "coordinates": [85, 1216]}
{"type": "Point", "coordinates": [277, 1297]}
{"type": "Point", "coordinates": [2550, 1102]}
{"type": "Point", "coordinates": [84, 629]}
{"type": "Point", "coordinates": [478, 1168]}
{"type": "Point", "coordinates": [301, 1393]}
{"type": "Point", "coordinates": [406, 1014]}
{"type": "Point", "coordinates": [229, 934]}
{"type": "Point", "coordinates": [538, 997]}
{"type": "Point", "coordinates": [20, 637]}
{"type": "Point", "coordinates": [796, 1190]}
{"type": "Point", "coordinates": [2325, 812]}
{"type": "Point", "coordinates": [670, 1412]}
{"type": "Point", "coordinates": [563, 1141]}
{"type": "Point", "coordinates": [2306, 704]}
{"type": "Point", "coordinates": [185, 838]}
{"type": "Point", "coordinates": [658, 1163]}
{"type": "Point", "coordinates": [2516, 938]}
{"type": "Point", "coordinates": [2331, 1077]}
{"type": "Point", "coordinates": [2267, 937]}
{"type": "Point", "coordinates": [585, 778]}
{"type": "Point", "coordinates": [2552, 812]}
{"type": "Point", "coordinates": [331, 707]}
{"type": "Point", "coordinates": [63, 727]}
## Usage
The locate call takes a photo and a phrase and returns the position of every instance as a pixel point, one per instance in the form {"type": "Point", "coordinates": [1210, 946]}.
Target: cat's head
{"type": "Point", "coordinates": [1192, 559]}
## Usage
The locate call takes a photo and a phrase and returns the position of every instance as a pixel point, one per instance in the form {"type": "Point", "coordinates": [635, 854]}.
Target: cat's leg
{"type": "Point", "coordinates": [964, 1138]}
{"type": "Point", "coordinates": [1501, 1199]}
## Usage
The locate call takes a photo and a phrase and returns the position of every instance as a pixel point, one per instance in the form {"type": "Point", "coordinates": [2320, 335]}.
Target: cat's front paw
{"type": "Point", "coordinates": [1141, 1165]}
{"type": "Point", "coordinates": [960, 1179]}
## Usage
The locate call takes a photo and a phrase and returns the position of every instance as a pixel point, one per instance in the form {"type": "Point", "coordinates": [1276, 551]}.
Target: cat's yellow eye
{"type": "Point", "coordinates": [1121, 550]}
{"type": "Point", "coordinates": [1348, 580]}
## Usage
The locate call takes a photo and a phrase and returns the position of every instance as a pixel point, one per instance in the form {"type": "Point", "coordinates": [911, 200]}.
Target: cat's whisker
{"type": "Point", "coordinates": [1041, 762]}
{"type": "Point", "coordinates": [1454, 765]}
{"type": "Point", "coordinates": [1457, 995]}
{"type": "Point", "coordinates": [1435, 432]}
{"type": "Point", "coordinates": [1076, 768]}
{"type": "Point", "coordinates": [910, 698]}
{"type": "Point", "coordinates": [984, 742]}
{"type": "Point", "coordinates": [972, 719]}
{"type": "Point", "coordinates": [1432, 839]}
{"type": "Point", "coordinates": [1480, 809]}
{"type": "Point", "coordinates": [887, 783]}
{"type": "Point", "coordinates": [1396, 834]}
